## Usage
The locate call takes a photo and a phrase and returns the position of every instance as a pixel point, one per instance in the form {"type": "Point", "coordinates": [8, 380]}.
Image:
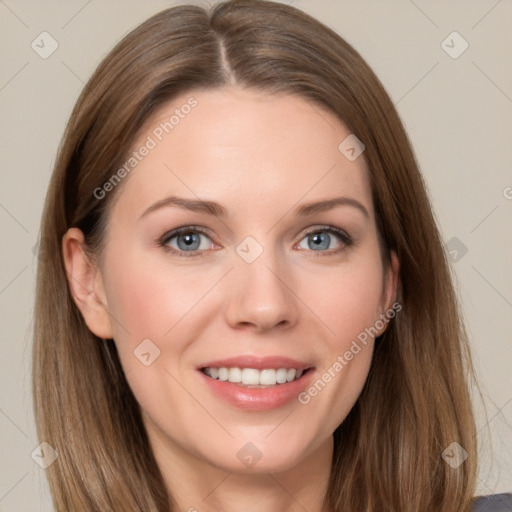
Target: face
{"type": "Point", "coordinates": [264, 267]}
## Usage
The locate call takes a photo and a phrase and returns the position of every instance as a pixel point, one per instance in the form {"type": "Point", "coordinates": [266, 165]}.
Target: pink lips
{"type": "Point", "coordinates": [259, 363]}
{"type": "Point", "coordinates": [258, 399]}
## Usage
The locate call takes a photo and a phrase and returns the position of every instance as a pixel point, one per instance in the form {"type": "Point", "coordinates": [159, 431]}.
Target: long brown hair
{"type": "Point", "coordinates": [415, 403]}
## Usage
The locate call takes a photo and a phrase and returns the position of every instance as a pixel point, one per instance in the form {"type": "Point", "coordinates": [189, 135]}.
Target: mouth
{"type": "Point", "coordinates": [254, 378]}
{"type": "Point", "coordinates": [256, 384]}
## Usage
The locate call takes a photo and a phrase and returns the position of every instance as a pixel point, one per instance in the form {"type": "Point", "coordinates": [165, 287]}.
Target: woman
{"type": "Point", "coordinates": [301, 348]}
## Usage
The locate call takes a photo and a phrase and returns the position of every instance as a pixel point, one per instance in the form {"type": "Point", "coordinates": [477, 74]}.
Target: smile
{"type": "Point", "coordinates": [252, 377]}
{"type": "Point", "coordinates": [253, 383]}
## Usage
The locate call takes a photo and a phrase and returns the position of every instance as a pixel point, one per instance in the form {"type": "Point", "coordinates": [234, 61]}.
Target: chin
{"type": "Point", "coordinates": [260, 457]}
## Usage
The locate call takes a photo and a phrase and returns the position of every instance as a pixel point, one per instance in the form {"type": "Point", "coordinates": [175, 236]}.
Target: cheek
{"type": "Point", "coordinates": [350, 306]}
{"type": "Point", "coordinates": [351, 302]}
{"type": "Point", "coordinates": [148, 300]}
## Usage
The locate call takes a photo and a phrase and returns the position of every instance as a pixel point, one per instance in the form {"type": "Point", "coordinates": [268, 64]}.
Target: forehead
{"type": "Point", "coordinates": [243, 148]}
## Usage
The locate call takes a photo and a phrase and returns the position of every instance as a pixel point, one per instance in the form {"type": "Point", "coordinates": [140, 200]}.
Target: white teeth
{"type": "Point", "coordinates": [268, 377]}
{"type": "Point", "coordinates": [290, 374]}
{"type": "Point", "coordinates": [235, 375]}
{"type": "Point", "coordinates": [250, 377]}
{"type": "Point", "coordinates": [281, 376]}
{"type": "Point", "coordinates": [254, 377]}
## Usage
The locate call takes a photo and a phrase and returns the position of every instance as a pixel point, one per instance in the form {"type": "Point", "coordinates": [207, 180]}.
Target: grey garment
{"type": "Point", "coordinates": [493, 503]}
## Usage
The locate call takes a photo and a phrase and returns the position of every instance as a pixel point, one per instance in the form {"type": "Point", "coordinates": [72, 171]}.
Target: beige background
{"type": "Point", "coordinates": [457, 112]}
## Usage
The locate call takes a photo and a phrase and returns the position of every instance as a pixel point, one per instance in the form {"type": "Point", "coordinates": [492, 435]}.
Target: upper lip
{"type": "Point", "coordinates": [258, 363]}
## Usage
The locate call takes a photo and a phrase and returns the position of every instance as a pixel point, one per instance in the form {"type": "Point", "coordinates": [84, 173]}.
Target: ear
{"type": "Point", "coordinates": [86, 284]}
{"type": "Point", "coordinates": [389, 293]}
{"type": "Point", "coordinates": [391, 280]}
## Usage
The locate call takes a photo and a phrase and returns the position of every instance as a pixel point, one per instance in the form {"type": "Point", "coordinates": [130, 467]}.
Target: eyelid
{"type": "Point", "coordinates": [185, 229]}
{"type": "Point", "coordinates": [319, 228]}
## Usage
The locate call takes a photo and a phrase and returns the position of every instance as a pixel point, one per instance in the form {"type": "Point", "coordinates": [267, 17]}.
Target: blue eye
{"type": "Point", "coordinates": [319, 239]}
{"type": "Point", "coordinates": [188, 240]}
{"type": "Point", "coordinates": [194, 241]}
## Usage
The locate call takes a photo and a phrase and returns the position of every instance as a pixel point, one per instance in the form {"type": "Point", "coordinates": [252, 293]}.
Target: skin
{"type": "Point", "coordinates": [261, 156]}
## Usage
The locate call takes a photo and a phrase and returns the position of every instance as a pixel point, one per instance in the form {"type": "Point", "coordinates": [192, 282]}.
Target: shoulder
{"type": "Point", "coordinates": [493, 503]}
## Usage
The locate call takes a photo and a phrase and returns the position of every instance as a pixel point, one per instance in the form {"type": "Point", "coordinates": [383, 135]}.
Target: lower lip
{"type": "Point", "coordinates": [258, 399]}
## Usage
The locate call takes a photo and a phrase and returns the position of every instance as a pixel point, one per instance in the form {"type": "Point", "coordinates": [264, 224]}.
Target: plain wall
{"type": "Point", "coordinates": [457, 112]}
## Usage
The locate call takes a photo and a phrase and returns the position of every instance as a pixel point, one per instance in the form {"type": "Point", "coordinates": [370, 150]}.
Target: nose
{"type": "Point", "coordinates": [261, 295]}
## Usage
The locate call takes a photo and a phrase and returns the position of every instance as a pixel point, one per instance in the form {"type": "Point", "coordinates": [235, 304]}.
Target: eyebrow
{"type": "Point", "coordinates": [217, 210]}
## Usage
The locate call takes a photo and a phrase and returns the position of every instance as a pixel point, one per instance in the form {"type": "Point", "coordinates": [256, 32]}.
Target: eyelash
{"type": "Point", "coordinates": [164, 240]}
